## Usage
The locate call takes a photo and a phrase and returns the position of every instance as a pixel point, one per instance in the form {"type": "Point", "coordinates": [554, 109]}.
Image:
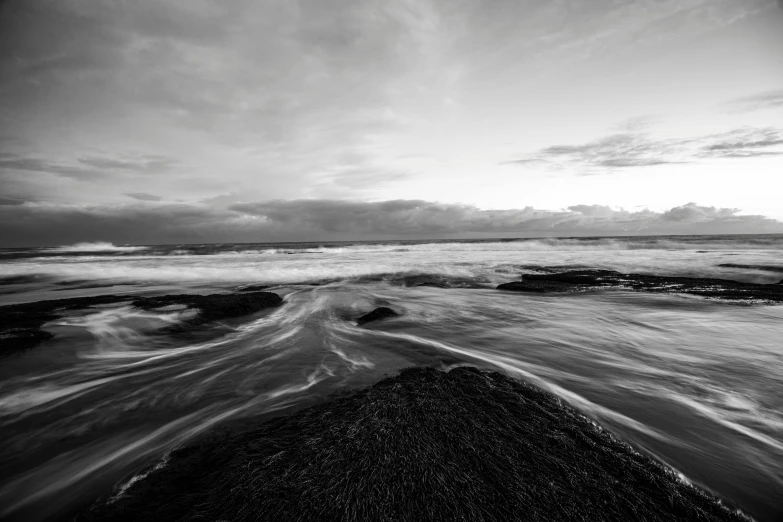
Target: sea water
{"type": "Point", "coordinates": [697, 383]}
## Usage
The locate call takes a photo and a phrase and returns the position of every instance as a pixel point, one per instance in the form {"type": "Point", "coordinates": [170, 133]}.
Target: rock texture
{"type": "Point", "coordinates": [377, 315]}
{"type": "Point", "coordinates": [580, 280]}
{"type": "Point", "coordinates": [766, 268]}
{"type": "Point", "coordinates": [424, 445]}
{"type": "Point", "coordinates": [20, 324]}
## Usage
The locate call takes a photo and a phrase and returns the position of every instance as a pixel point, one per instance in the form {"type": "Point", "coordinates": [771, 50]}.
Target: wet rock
{"type": "Point", "coordinates": [434, 284]}
{"type": "Point", "coordinates": [19, 339]}
{"type": "Point", "coordinates": [766, 268]}
{"type": "Point", "coordinates": [540, 287]}
{"type": "Point", "coordinates": [424, 280]}
{"type": "Point", "coordinates": [214, 307]}
{"type": "Point", "coordinates": [377, 315]}
{"type": "Point", "coordinates": [581, 280]}
{"type": "Point", "coordinates": [551, 269]}
{"type": "Point", "coordinates": [20, 324]}
{"type": "Point", "coordinates": [423, 445]}
{"type": "Point", "coordinates": [252, 288]}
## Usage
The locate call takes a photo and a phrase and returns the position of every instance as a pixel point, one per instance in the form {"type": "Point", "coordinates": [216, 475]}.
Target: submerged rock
{"type": "Point", "coordinates": [424, 445]}
{"type": "Point", "coordinates": [214, 307]}
{"type": "Point", "coordinates": [766, 268]}
{"type": "Point", "coordinates": [580, 280]}
{"type": "Point", "coordinates": [434, 284]}
{"type": "Point", "coordinates": [425, 279]}
{"type": "Point", "coordinates": [377, 315]}
{"type": "Point", "coordinates": [20, 324]}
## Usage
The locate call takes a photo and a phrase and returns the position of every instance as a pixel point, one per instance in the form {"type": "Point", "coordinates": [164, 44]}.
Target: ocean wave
{"type": "Point", "coordinates": [98, 246]}
{"type": "Point", "coordinates": [573, 244]}
{"type": "Point", "coordinates": [697, 244]}
{"type": "Point", "coordinates": [271, 273]}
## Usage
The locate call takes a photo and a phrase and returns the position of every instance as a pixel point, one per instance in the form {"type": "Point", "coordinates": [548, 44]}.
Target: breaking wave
{"type": "Point", "coordinates": [98, 246]}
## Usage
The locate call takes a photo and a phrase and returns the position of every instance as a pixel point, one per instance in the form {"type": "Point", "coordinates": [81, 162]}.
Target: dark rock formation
{"type": "Point", "coordinates": [377, 315]}
{"type": "Point", "coordinates": [766, 268]}
{"type": "Point", "coordinates": [550, 269]}
{"type": "Point", "coordinates": [434, 284]}
{"type": "Point", "coordinates": [424, 445]}
{"type": "Point", "coordinates": [419, 279]}
{"type": "Point", "coordinates": [579, 280]}
{"type": "Point", "coordinates": [20, 324]}
{"type": "Point", "coordinates": [540, 287]}
{"type": "Point", "coordinates": [214, 307]}
{"type": "Point", "coordinates": [252, 288]}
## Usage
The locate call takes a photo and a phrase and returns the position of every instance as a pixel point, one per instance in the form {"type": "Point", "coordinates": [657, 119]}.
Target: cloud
{"type": "Point", "coordinates": [268, 99]}
{"type": "Point", "coordinates": [88, 168]}
{"type": "Point", "coordinates": [746, 143]}
{"type": "Point", "coordinates": [147, 164]}
{"type": "Point", "coordinates": [693, 213]}
{"type": "Point", "coordinates": [26, 164]}
{"type": "Point", "coordinates": [33, 224]}
{"type": "Point", "coordinates": [622, 150]}
{"type": "Point", "coordinates": [141, 196]}
{"type": "Point", "coordinates": [760, 101]}
{"type": "Point", "coordinates": [636, 149]}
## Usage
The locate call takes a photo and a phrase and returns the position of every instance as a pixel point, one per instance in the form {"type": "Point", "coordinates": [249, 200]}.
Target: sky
{"type": "Point", "coordinates": [152, 121]}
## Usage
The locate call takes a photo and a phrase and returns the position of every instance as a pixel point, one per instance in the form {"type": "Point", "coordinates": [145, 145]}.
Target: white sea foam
{"type": "Point", "coordinates": [98, 246]}
{"type": "Point", "coordinates": [449, 260]}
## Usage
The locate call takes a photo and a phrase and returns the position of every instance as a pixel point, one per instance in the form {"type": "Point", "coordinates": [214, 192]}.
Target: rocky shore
{"type": "Point", "coordinates": [422, 445]}
{"type": "Point", "coordinates": [21, 324]}
{"type": "Point", "coordinates": [552, 280]}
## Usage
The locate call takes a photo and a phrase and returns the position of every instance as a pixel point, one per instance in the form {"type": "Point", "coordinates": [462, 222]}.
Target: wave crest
{"type": "Point", "coordinates": [97, 246]}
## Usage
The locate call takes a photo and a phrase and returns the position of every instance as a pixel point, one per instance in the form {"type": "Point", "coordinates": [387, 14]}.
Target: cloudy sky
{"type": "Point", "coordinates": [149, 121]}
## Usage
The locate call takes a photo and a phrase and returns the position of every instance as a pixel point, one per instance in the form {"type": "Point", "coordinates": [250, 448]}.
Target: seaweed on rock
{"type": "Point", "coordinates": [423, 445]}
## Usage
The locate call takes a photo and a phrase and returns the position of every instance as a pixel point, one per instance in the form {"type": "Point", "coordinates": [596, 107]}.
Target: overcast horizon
{"type": "Point", "coordinates": [162, 122]}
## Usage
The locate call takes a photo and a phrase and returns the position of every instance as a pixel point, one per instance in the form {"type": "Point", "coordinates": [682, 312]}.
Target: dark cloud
{"type": "Point", "coordinates": [141, 196]}
{"type": "Point", "coordinates": [626, 150]}
{"type": "Point", "coordinates": [248, 69]}
{"type": "Point", "coordinates": [10, 201]}
{"type": "Point", "coordinates": [302, 220]}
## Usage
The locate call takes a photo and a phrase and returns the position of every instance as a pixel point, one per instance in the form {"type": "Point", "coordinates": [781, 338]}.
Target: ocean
{"type": "Point", "coordinates": [693, 381]}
